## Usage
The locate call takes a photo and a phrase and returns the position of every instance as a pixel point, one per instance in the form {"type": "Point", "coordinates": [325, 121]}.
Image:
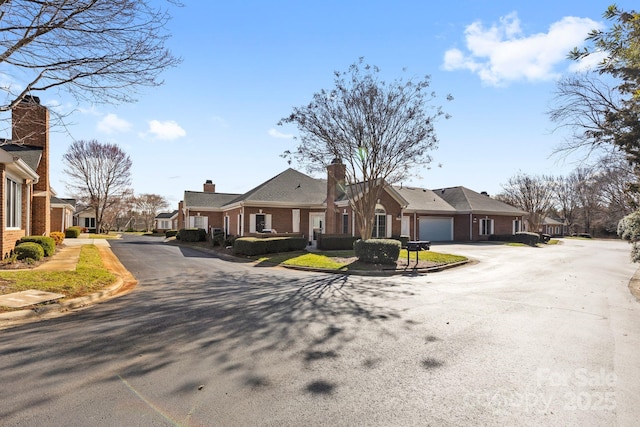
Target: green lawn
{"type": "Point", "coordinates": [340, 260]}
{"type": "Point", "coordinates": [90, 276]}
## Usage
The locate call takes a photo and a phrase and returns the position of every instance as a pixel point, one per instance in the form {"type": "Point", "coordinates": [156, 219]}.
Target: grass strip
{"type": "Point", "coordinates": [90, 276]}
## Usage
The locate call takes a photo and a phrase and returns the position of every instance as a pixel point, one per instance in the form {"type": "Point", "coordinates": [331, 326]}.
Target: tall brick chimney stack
{"type": "Point", "coordinates": [336, 173]}
{"type": "Point", "coordinates": [30, 127]}
{"type": "Point", "coordinates": [209, 187]}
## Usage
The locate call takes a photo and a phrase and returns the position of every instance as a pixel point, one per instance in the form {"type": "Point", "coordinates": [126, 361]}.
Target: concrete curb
{"type": "Point", "coordinates": [381, 273]}
{"type": "Point", "coordinates": [111, 262]}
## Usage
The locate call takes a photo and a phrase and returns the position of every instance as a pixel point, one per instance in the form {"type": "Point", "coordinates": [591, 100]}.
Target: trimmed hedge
{"type": "Point", "coordinates": [218, 238]}
{"type": "Point", "coordinates": [252, 246]}
{"type": "Point", "coordinates": [377, 251]}
{"type": "Point", "coordinates": [48, 243]}
{"type": "Point", "coordinates": [170, 233]}
{"type": "Point", "coordinates": [192, 235]}
{"type": "Point", "coordinates": [404, 240]}
{"type": "Point", "coordinates": [58, 236]}
{"type": "Point", "coordinates": [72, 232]}
{"type": "Point", "coordinates": [29, 250]}
{"type": "Point", "coordinates": [335, 242]}
{"type": "Point", "coordinates": [525, 237]}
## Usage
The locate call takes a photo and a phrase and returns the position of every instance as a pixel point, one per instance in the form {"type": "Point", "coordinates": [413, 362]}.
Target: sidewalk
{"type": "Point", "coordinates": [66, 259]}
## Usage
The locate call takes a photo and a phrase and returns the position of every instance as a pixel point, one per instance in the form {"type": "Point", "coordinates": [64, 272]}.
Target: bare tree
{"type": "Point", "coordinates": [96, 50]}
{"type": "Point", "coordinates": [148, 205]}
{"type": "Point", "coordinates": [533, 194]}
{"type": "Point", "coordinates": [381, 131]}
{"type": "Point", "coordinates": [99, 173]}
{"type": "Point", "coordinates": [120, 212]}
{"type": "Point", "coordinates": [565, 200]}
{"type": "Point", "coordinates": [584, 104]}
{"type": "Point", "coordinates": [606, 113]}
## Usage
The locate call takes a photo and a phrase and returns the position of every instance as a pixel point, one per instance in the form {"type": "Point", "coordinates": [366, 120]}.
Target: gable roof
{"type": "Point", "coordinates": [424, 200]}
{"type": "Point", "coordinates": [167, 215]}
{"type": "Point", "coordinates": [289, 187]}
{"type": "Point", "coordinates": [30, 155]}
{"type": "Point", "coordinates": [17, 165]}
{"type": "Point", "coordinates": [59, 201]}
{"type": "Point", "coordinates": [200, 199]}
{"type": "Point", "coordinates": [465, 200]}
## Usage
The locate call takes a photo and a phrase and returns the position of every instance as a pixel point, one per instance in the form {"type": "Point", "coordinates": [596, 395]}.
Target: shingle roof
{"type": "Point", "coordinates": [287, 187]}
{"type": "Point", "coordinates": [465, 200]}
{"type": "Point", "coordinates": [167, 215]}
{"type": "Point", "coordinates": [201, 199]}
{"type": "Point", "coordinates": [60, 201]}
{"type": "Point", "coordinates": [423, 200]}
{"type": "Point", "coordinates": [30, 155]}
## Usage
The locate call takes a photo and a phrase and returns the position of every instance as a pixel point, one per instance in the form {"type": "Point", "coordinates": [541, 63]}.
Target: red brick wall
{"type": "Point", "coordinates": [9, 239]}
{"type": "Point", "coordinates": [30, 126]}
{"type": "Point", "coordinates": [57, 215]}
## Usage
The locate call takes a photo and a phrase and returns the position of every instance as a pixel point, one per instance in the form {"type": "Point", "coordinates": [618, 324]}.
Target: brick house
{"type": "Point", "coordinates": [292, 202]}
{"type": "Point", "coordinates": [165, 221]}
{"type": "Point", "coordinates": [62, 211]}
{"type": "Point", "coordinates": [24, 166]}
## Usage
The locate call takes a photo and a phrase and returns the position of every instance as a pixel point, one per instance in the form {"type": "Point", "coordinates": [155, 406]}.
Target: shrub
{"type": "Point", "coordinates": [72, 232]}
{"type": "Point", "coordinates": [403, 240]}
{"type": "Point", "coordinates": [58, 236]}
{"type": "Point", "coordinates": [48, 243]}
{"type": "Point", "coordinates": [170, 233]}
{"type": "Point", "coordinates": [377, 251]}
{"type": "Point", "coordinates": [29, 250]}
{"type": "Point", "coordinates": [230, 240]}
{"type": "Point", "coordinates": [192, 235]}
{"type": "Point", "coordinates": [335, 242]}
{"type": "Point", "coordinates": [524, 237]}
{"type": "Point", "coordinates": [252, 246]}
{"type": "Point", "coordinates": [218, 238]}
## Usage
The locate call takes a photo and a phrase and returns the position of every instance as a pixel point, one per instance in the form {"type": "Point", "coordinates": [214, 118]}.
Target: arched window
{"type": "Point", "coordinates": [380, 224]}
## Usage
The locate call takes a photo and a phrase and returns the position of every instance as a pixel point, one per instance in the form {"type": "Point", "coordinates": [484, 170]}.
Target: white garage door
{"type": "Point", "coordinates": [436, 229]}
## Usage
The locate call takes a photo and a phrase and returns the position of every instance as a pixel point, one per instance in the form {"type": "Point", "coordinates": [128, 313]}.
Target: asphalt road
{"type": "Point", "coordinates": [527, 336]}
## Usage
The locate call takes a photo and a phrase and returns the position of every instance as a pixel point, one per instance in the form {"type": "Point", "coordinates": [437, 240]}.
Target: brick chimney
{"type": "Point", "coordinates": [30, 127]}
{"type": "Point", "coordinates": [209, 187]}
{"type": "Point", "coordinates": [336, 172]}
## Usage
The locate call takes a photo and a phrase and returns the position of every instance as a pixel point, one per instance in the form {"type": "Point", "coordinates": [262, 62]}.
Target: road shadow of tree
{"type": "Point", "coordinates": [237, 322]}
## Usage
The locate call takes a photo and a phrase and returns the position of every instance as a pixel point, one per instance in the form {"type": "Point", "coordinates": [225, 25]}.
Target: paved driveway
{"type": "Point", "coordinates": [526, 336]}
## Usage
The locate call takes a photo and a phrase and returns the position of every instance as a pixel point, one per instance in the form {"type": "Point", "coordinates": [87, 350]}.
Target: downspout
{"type": "Point", "coordinates": [415, 216]}
{"type": "Point", "coordinates": [471, 226]}
{"type": "Point", "coordinates": [29, 201]}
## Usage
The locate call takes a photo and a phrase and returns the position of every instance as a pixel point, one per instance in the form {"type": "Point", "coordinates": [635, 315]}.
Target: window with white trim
{"type": "Point", "coordinates": [486, 226]}
{"type": "Point", "coordinates": [13, 215]}
{"type": "Point", "coordinates": [517, 226]}
{"type": "Point", "coordinates": [380, 224]}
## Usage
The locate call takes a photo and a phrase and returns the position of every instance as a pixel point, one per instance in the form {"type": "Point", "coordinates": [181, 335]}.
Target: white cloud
{"type": "Point", "coordinates": [167, 130]}
{"type": "Point", "coordinates": [112, 124]}
{"type": "Point", "coordinates": [502, 53]}
{"type": "Point", "coordinates": [277, 134]}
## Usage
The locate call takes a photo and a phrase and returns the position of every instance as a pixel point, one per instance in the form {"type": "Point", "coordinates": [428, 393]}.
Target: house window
{"type": "Point", "coordinates": [517, 226]}
{"type": "Point", "coordinates": [380, 224]}
{"type": "Point", "coordinates": [345, 223]}
{"type": "Point", "coordinates": [13, 216]}
{"type": "Point", "coordinates": [198, 222]}
{"type": "Point", "coordinates": [261, 220]}
{"type": "Point", "coordinates": [486, 227]}
{"type": "Point", "coordinates": [90, 223]}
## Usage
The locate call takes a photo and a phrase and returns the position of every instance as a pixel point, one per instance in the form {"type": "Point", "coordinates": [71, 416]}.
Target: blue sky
{"type": "Point", "coordinates": [247, 63]}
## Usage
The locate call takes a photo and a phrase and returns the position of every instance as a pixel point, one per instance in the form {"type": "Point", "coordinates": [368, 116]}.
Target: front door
{"type": "Point", "coordinates": [316, 226]}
